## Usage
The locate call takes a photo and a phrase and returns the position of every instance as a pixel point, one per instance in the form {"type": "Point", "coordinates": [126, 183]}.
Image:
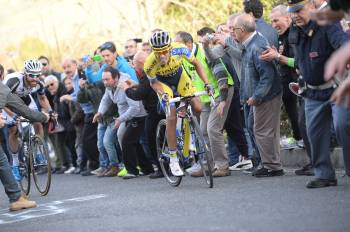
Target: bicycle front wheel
{"type": "Point", "coordinates": [24, 169]}
{"type": "Point", "coordinates": [41, 165]}
{"type": "Point", "coordinates": [203, 153]}
{"type": "Point", "coordinates": [163, 154]}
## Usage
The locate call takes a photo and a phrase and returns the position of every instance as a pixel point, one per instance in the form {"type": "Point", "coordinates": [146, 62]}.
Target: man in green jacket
{"type": "Point", "coordinates": [212, 117]}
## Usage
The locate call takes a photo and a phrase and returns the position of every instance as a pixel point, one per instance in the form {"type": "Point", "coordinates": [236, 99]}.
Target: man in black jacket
{"type": "Point", "coordinates": [149, 98]}
{"type": "Point", "coordinates": [65, 138]}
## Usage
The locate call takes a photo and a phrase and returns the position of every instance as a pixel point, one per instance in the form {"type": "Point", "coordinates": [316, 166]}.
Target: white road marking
{"type": "Point", "coordinates": [43, 210]}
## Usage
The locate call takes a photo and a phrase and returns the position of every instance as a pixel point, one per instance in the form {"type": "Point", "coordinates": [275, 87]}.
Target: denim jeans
{"type": "Point", "coordinates": [319, 117]}
{"type": "Point", "coordinates": [7, 179]}
{"type": "Point", "coordinates": [107, 144]}
{"type": "Point", "coordinates": [5, 134]}
{"type": "Point", "coordinates": [103, 158]}
{"type": "Point", "coordinates": [233, 151]}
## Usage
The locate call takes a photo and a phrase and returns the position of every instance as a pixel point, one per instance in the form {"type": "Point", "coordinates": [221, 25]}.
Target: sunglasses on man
{"type": "Point", "coordinates": [33, 76]}
{"type": "Point", "coordinates": [159, 53]}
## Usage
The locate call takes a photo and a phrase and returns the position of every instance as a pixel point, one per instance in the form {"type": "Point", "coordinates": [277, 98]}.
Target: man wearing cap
{"type": "Point", "coordinates": [313, 46]}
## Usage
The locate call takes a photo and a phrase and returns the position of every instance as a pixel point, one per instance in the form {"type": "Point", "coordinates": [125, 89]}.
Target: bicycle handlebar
{"type": "Point", "coordinates": [21, 119]}
{"type": "Point", "coordinates": [197, 94]}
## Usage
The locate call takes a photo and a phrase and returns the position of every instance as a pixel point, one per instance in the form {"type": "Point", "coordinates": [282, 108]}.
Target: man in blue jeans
{"type": "Point", "coordinates": [313, 46]}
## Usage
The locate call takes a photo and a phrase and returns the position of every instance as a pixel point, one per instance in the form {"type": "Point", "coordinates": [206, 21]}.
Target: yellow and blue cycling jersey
{"type": "Point", "coordinates": [174, 79]}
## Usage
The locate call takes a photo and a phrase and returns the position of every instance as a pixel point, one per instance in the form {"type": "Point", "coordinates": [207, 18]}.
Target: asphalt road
{"type": "Point", "coordinates": [239, 203]}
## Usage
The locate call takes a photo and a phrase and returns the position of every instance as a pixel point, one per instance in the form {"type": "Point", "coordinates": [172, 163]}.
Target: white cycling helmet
{"type": "Point", "coordinates": [160, 40]}
{"type": "Point", "coordinates": [32, 67]}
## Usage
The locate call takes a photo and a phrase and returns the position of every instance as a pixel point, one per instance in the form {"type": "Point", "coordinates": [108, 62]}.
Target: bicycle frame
{"type": "Point", "coordinates": [27, 133]}
{"type": "Point", "coordinates": [184, 116]}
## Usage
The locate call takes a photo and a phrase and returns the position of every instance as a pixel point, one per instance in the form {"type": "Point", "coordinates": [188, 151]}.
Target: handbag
{"type": "Point", "coordinates": [55, 127]}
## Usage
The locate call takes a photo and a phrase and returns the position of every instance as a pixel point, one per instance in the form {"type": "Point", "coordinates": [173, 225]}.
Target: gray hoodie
{"type": "Point", "coordinates": [127, 108]}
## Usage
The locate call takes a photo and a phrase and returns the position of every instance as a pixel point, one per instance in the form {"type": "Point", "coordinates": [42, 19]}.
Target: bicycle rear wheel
{"type": "Point", "coordinates": [163, 155]}
{"type": "Point", "coordinates": [24, 169]}
{"type": "Point", "coordinates": [203, 153]}
{"type": "Point", "coordinates": [40, 165]}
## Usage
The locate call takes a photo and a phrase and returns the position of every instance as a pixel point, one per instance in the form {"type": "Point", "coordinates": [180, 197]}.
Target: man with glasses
{"type": "Point", "coordinates": [46, 69]}
{"type": "Point", "coordinates": [262, 92]}
{"type": "Point", "coordinates": [26, 84]}
{"type": "Point", "coordinates": [130, 49]}
{"type": "Point", "coordinates": [167, 77]}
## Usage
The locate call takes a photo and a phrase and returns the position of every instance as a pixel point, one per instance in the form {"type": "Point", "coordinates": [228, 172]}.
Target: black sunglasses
{"type": "Point", "coordinates": [44, 64]}
{"type": "Point", "coordinates": [33, 75]}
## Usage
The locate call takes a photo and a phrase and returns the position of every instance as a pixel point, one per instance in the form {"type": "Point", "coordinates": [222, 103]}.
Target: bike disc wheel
{"type": "Point", "coordinates": [163, 155]}
{"type": "Point", "coordinates": [203, 153]}
{"type": "Point", "coordinates": [41, 165]}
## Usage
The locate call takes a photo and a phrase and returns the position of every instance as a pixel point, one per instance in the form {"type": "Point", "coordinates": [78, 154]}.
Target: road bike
{"type": "Point", "coordinates": [191, 145]}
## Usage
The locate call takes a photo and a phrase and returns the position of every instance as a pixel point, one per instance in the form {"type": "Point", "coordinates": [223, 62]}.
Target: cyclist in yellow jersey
{"type": "Point", "coordinates": [168, 79]}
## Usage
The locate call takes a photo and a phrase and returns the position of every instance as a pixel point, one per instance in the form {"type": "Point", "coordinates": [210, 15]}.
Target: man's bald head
{"type": "Point", "coordinates": [243, 26]}
{"type": "Point", "coordinates": [139, 59]}
{"type": "Point", "coordinates": [246, 22]}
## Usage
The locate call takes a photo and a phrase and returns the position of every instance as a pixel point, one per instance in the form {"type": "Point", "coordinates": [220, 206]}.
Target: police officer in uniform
{"type": "Point", "coordinates": [313, 46]}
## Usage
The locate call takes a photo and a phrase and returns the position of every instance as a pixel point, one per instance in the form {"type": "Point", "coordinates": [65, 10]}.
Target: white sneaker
{"type": "Point", "coordinates": [242, 165]}
{"type": "Point", "coordinates": [175, 167]}
{"type": "Point", "coordinates": [96, 171]}
{"type": "Point", "coordinates": [195, 168]}
{"type": "Point", "coordinates": [70, 170]}
{"type": "Point", "coordinates": [300, 143]}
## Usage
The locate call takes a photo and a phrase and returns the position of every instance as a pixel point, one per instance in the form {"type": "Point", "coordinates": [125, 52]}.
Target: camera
{"type": "Point", "coordinates": [210, 36]}
{"type": "Point", "coordinates": [81, 74]}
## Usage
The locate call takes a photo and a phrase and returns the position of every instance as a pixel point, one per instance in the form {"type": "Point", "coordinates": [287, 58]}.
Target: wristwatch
{"type": "Point", "coordinates": [278, 57]}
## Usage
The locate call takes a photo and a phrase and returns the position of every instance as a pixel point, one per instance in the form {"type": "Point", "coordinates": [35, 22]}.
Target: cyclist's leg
{"type": "Point", "coordinates": [39, 130]}
{"type": "Point", "coordinates": [171, 135]}
{"type": "Point", "coordinates": [14, 150]}
{"type": "Point", "coordinates": [185, 88]}
{"type": "Point", "coordinates": [171, 120]}
{"type": "Point", "coordinates": [13, 139]}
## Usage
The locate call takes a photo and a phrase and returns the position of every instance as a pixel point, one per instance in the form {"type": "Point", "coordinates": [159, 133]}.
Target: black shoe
{"type": "Point", "coordinates": [129, 176]}
{"type": "Point", "coordinates": [305, 171]}
{"type": "Point", "coordinates": [264, 172]}
{"type": "Point", "coordinates": [157, 174]}
{"type": "Point", "coordinates": [86, 172]}
{"type": "Point", "coordinates": [61, 170]}
{"type": "Point", "coordinates": [250, 170]}
{"type": "Point", "coordinates": [321, 183]}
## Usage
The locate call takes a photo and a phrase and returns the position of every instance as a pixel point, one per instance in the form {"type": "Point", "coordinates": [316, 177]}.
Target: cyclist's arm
{"type": "Point", "coordinates": [16, 104]}
{"type": "Point", "coordinates": [9, 112]}
{"type": "Point", "coordinates": [13, 83]}
{"type": "Point", "coordinates": [156, 86]}
{"type": "Point", "coordinates": [200, 70]}
{"type": "Point", "coordinates": [44, 103]}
